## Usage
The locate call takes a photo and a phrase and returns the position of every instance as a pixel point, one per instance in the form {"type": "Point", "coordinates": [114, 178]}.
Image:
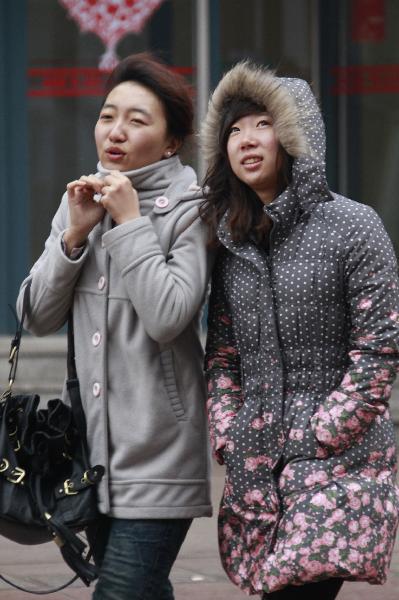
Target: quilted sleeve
{"type": "Point", "coordinates": [372, 299]}
{"type": "Point", "coordinates": [222, 367]}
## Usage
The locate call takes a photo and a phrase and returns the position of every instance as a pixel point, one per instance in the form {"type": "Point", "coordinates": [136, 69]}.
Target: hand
{"type": "Point", "coordinates": [119, 198]}
{"type": "Point", "coordinates": [84, 212]}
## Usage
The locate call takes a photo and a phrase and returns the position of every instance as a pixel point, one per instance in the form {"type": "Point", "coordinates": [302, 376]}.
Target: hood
{"type": "Point", "coordinates": [290, 102]}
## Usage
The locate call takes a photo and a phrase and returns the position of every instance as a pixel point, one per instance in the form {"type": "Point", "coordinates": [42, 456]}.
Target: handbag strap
{"type": "Point", "coordinates": [73, 385]}
{"type": "Point", "coordinates": [16, 341]}
{"type": "Point", "coordinates": [76, 406]}
{"type": "Point", "coordinates": [39, 592]}
{"type": "Point", "coordinates": [72, 379]}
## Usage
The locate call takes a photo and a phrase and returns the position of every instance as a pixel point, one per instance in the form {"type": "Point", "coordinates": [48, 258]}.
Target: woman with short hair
{"type": "Point", "coordinates": [127, 253]}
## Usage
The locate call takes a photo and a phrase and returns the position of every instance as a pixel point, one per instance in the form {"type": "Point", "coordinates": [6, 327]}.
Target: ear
{"type": "Point", "coordinates": [171, 148]}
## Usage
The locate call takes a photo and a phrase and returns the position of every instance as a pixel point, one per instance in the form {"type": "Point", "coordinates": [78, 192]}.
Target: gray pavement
{"type": "Point", "coordinates": [197, 573]}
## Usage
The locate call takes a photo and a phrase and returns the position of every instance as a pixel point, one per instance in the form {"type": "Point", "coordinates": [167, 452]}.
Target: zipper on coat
{"type": "Point", "coordinates": [270, 274]}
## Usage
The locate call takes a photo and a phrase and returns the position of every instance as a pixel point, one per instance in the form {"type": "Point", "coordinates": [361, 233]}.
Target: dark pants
{"type": "Point", "coordinates": [322, 590]}
{"type": "Point", "coordinates": [135, 557]}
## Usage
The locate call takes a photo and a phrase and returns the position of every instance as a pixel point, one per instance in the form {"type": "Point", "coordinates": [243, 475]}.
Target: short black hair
{"type": "Point", "coordinates": [170, 87]}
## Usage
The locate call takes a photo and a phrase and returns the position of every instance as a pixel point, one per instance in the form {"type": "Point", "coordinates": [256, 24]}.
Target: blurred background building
{"type": "Point", "coordinates": [51, 91]}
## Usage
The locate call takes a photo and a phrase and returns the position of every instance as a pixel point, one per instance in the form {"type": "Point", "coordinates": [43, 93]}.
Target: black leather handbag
{"type": "Point", "coordinates": [47, 486]}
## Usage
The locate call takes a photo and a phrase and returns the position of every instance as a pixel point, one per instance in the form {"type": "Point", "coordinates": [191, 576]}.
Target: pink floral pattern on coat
{"type": "Point", "coordinates": [304, 503]}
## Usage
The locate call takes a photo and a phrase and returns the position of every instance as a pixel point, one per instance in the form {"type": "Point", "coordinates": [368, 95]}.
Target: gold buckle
{"type": "Point", "coordinates": [59, 541]}
{"type": "Point", "coordinates": [4, 464]}
{"type": "Point", "coordinates": [12, 354]}
{"type": "Point", "coordinates": [85, 478]}
{"type": "Point", "coordinates": [7, 393]}
{"type": "Point", "coordinates": [68, 488]}
{"type": "Point", "coordinates": [17, 442]}
{"type": "Point", "coordinates": [17, 475]}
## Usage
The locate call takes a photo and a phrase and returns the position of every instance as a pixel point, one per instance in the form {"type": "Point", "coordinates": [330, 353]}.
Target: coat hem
{"type": "Point", "coordinates": [157, 512]}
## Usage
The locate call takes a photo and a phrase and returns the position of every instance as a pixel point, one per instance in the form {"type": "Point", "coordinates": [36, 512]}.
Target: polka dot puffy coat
{"type": "Point", "coordinates": [302, 352]}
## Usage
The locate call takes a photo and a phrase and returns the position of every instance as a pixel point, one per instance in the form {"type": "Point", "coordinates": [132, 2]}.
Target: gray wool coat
{"type": "Point", "coordinates": [302, 352]}
{"type": "Point", "coordinates": [136, 294]}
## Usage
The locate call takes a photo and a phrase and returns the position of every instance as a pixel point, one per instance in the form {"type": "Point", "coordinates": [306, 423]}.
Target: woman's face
{"type": "Point", "coordinates": [254, 154]}
{"type": "Point", "coordinates": [131, 131]}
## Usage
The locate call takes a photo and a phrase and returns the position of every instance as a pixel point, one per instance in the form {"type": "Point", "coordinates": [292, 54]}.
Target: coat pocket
{"type": "Point", "coordinates": [172, 392]}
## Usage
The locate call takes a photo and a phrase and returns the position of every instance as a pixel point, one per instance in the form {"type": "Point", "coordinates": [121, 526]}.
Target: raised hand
{"type": "Point", "coordinates": [84, 211]}
{"type": "Point", "coordinates": [119, 198]}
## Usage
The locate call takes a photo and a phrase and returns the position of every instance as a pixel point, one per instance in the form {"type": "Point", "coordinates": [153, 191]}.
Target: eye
{"type": "Point", "coordinates": [263, 123]}
{"type": "Point", "coordinates": [137, 121]}
{"type": "Point", "coordinates": [105, 117]}
{"type": "Point", "coordinates": [234, 129]}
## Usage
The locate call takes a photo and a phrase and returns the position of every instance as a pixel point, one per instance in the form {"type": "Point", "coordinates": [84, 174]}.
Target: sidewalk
{"type": "Point", "coordinates": [197, 573]}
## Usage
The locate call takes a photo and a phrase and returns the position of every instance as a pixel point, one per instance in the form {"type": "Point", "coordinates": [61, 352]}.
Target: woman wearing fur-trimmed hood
{"type": "Point", "coordinates": [302, 349]}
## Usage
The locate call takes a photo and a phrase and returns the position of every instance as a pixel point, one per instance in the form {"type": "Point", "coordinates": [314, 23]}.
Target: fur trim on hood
{"type": "Point", "coordinates": [290, 103]}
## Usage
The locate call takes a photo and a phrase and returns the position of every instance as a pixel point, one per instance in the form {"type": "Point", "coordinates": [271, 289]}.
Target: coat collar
{"type": "Point", "coordinates": [308, 190]}
{"type": "Point", "coordinates": [161, 185]}
{"type": "Point", "coordinates": [309, 183]}
{"type": "Point", "coordinates": [247, 250]}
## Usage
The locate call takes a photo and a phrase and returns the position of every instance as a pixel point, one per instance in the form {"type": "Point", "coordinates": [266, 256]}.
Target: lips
{"type": "Point", "coordinates": [114, 153]}
{"type": "Point", "coordinates": [251, 160]}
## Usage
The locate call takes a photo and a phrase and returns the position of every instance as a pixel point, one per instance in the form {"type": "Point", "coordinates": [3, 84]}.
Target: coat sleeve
{"type": "Point", "coordinates": [166, 291]}
{"type": "Point", "coordinates": [222, 367]}
{"type": "Point", "coordinates": [53, 277]}
{"type": "Point", "coordinates": [372, 297]}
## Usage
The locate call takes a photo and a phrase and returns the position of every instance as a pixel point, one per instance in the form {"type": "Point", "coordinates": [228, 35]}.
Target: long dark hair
{"type": "Point", "coordinates": [224, 191]}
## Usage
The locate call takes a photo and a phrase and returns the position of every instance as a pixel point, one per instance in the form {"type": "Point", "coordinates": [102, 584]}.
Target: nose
{"type": "Point", "coordinates": [248, 140]}
{"type": "Point", "coordinates": [117, 133]}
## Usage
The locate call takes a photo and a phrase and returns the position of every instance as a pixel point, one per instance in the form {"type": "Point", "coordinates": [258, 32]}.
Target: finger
{"type": "Point", "coordinates": [115, 176]}
{"type": "Point", "coordinates": [107, 194]}
{"type": "Point", "coordinates": [95, 179]}
{"type": "Point", "coordinates": [92, 181]}
{"type": "Point", "coordinates": [74, 184]}
{"type": "Point", "coordinates": [109, 179]}
{"type": "Point", "coordinates": [78, 191]}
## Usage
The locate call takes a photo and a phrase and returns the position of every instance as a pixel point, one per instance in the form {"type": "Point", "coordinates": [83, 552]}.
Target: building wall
{"type": "Point", "coordinates": [14, 193]}
{"type": "Point", "coordinates": [52, 92]}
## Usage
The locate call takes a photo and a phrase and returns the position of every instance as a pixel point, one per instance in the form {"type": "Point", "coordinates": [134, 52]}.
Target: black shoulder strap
{"type": "Point", "coordinates": [16, 341]}
{"type": "Point", "coordinates": [39, 592]}
{"type": "Point", "coordinates": [73, 384]}
{"type": "Point", "coordinates": [72, 380]}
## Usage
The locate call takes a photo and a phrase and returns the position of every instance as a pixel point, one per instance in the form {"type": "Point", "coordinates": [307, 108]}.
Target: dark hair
{"type": "Point", "coordinates": [171, 89]}
{"type": "Point", "coordinates": [223, 189]}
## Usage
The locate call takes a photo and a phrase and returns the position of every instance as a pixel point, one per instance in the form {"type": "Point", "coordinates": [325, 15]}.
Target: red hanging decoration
{"type": "Point", "coordinates": [110, 20]}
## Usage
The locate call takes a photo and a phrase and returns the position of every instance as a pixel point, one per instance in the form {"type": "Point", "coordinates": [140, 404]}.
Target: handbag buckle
{"type": "Point", "coordinates": [17, 475]}
{"type": "Point", "coordinates": [4, 464]}
{"type": "Point", "coordinates": [86, 478]}
{"type": "Point", "coordinates": [7, 393]}
{"type": "Point", "coordinates": [13, 352]}
{"type": "Point", "coordinates": [68, 488]}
